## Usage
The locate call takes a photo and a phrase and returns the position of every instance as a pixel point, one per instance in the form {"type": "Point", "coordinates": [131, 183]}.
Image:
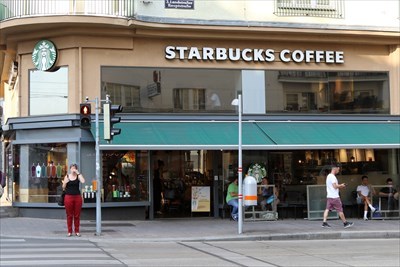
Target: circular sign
{"type": "Point", "coordinates": [44, 55]}
{"type": "Point", "coordinates": [258, 171]}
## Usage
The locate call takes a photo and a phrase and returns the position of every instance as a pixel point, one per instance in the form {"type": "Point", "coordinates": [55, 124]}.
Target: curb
{"type": "Point", "coordinates": [273, 237]}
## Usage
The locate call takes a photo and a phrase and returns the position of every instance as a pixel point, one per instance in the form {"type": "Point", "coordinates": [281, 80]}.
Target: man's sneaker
{"type": "Point", "coordinates": [348, 224]}
{"type": "Point", "coordinates": [235, 218]}
{"type": "Point", "coordinates": [326, 225]}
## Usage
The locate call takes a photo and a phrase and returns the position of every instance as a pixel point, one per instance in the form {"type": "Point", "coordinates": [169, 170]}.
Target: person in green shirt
{"type": "Point", "coordinates": [232, 198]}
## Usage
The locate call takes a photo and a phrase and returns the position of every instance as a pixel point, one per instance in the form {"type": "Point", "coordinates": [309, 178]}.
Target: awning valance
{"type": "Point", "coordinates": [186, 135]}
{"type": "Point", "coordinates": [305, 135]}
{"type": "Point", "coordinates": [257, 135]}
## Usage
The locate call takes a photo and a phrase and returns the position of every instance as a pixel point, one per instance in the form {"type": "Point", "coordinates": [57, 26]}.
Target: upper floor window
{"type": "Point", "coordinates": [312, 8]}
{"type": "Point", "coordinates": [173, 90]}
{"type": "Point", "coordinates": [163, 90]}
{"type": "Point", "coordinates": [122, 94]}
{"type": "Point", "coordinates": [327, 92]}
{"type": "Point", "coordinates": [48, 92]}
{"type": "Point", "coordinates": [188, 99]}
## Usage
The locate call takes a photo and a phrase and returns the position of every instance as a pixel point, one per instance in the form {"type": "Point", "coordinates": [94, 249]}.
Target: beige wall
{"type": "Point", "coordinates": [383, 13]}
{"type": "Point", "coordinates": [394, 64]}
{"type": "Point", "coordinates": [84, 56]}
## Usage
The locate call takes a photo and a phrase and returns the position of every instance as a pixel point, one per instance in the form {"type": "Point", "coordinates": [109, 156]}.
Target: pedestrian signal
{"type": "Point", "coordinates": [85, 116]}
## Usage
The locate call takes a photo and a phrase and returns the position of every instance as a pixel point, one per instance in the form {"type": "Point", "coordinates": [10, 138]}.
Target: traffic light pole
{"type": "Point", "coordinates": [111, 120]}
{"type": "Point", "coordinates": [98, 182]}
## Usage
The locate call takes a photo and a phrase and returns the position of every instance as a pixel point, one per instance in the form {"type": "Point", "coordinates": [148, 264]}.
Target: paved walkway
{"type": "Point", "coordinates": [199, 229]}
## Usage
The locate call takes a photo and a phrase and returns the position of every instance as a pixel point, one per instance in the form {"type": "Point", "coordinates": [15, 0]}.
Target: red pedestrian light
{"type": "Point", "coordinates": [85, 116]}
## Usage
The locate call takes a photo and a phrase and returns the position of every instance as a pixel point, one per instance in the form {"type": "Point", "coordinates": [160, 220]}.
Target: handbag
{"type": "Point", "coordinates": [61, 199]}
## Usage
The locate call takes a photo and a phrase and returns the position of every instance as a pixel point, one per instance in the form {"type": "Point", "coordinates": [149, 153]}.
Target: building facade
{"type": "Point", "coordinates": [320, 85]}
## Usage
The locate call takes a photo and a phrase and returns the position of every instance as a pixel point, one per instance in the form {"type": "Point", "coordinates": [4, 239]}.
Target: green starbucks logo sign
{"type": "Point", "coordinates": [44, 55]}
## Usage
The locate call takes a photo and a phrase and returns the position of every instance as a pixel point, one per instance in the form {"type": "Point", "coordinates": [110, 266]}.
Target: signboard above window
{"type": "Point", "coordinates": [179, 4]}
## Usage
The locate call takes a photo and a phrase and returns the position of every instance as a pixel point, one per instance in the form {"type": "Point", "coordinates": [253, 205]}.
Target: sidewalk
{"type": "Point", "coordinates": [199, 229]}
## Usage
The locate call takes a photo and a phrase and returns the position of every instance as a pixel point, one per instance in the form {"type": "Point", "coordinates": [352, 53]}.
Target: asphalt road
{"type": "Point", "coordinates": [78, 252]}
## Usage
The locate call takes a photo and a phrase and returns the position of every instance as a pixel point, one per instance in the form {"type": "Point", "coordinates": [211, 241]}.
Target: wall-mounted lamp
{"type": "Point", "coordinates": [12, 77]}
{"type": "Point", "coordinates": [352, 159]}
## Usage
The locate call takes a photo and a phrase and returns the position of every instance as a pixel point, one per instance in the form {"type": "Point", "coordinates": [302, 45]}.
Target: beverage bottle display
{"type": "Point", "coordinates": [59, 169]}
{"type": "Point", "coordinates": [114, 192]}
{"type": "Point", "coordinates": [44, 170]}
{"type": "Point", "coordinates": [128, 191]}
{"type": "Point", "coordinates": [33, 170]}
{"type": "Point", "coordinates": [94, 185]}
{"type": "Point", "coordinates": [38, 170]}
{"type": "Point", "coordinates": [53, 172]}
{"type": "Point", "coordinates": [48, 170]}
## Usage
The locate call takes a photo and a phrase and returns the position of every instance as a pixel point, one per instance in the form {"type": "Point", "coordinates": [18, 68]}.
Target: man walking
{"type": "Point", "coordinates": [333, 201]}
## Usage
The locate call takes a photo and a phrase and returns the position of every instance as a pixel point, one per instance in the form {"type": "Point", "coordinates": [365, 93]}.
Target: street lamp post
{"type": "Point", "coordinates": [98, 181]}
{"type": "Point", "coordinates": [238, 102]}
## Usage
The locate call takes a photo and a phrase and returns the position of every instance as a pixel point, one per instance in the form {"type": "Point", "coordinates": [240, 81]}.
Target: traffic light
{"type": "Point", "coordinates": [85, 118]}
{"type": "Point", "coordinates": [110, 119]}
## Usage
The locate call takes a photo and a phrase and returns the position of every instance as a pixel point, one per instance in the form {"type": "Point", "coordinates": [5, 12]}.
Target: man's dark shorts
{"type": "Point", "coordinates": [334, 204]}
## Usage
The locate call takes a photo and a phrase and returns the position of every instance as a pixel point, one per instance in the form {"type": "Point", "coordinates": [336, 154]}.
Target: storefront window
{"type": "Point", "coordinates": [147, 90]}
{"type": "Point", "coordinates": [327, 92]}
{"type": "Point", "coordinates": [125, 176]}
{"type": "Point", "coordinates": [292, 172]}
{"type": "Point", "coordinates": [38, 170]}
{"type": "Point", "coordinates": [48, 92]}
{"type": "Point", "coordinates": [185, 176]}
{"type": "Point", "coordinates": [12, 169]}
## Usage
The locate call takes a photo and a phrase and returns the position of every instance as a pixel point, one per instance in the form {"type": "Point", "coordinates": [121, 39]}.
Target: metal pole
{"type": "Point", "coordinates": [98, 193]}
{"type": "Point", "coordinates": [240, 219]}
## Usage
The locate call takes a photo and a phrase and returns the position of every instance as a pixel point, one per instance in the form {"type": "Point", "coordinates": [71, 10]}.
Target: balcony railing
{"type": "Point", "coordinates": [311, 8]}
{"type": "Point", "coordinates": [26, 8]}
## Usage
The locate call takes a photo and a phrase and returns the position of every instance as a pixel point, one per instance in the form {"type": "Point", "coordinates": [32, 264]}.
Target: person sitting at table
{"type": "Point", "coordinates": [232, 198]}
{"type": "Point", "coordinates": [389, 194]}
{"type": "Point", "coordinates": [363, 192]}
{"type": "Point", "coordinates": [269, 196]}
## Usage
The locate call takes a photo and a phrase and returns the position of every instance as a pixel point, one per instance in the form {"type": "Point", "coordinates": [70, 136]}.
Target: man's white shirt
{"type": "Point", "coordinates": [330, 190]}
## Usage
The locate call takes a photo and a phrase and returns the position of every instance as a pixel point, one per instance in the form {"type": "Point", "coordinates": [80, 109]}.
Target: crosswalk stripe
{"type": "Point", "coordinates": [48, 249]}
{"type": "Point", "coordinates": [49, 245]}
{"type": "Point", "coordinates": [61, 262]}
{"type": "Point", "coordinates": [27, 252]}
{"type": "Point", "coordinates": [34, 256]}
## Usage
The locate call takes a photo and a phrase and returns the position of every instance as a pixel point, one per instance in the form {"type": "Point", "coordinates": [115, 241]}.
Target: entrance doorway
{"type": "Point", "coordinates": [180, 176]}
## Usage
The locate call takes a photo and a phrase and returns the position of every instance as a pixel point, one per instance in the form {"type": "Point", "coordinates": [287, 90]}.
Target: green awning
{"type": "Point", "coordinates": [333, 134]}
{"type": "Point", "coordinates": [185, 135]}
{"type": "Point", "coordinates": [260, 135]}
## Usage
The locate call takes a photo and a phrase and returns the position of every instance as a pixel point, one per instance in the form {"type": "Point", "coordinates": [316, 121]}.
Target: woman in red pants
{"type": "Point", "coordinates": [73, 198]}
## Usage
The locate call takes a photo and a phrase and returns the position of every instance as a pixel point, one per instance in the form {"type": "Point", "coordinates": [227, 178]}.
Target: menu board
{"type": "Point", "coordinates": [201, 199]}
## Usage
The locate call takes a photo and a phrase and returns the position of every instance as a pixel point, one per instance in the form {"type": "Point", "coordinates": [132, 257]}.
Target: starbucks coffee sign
{"type": "Point", "coordinates": [253, 55]}
{"type": "Point", "coordinates": [44, 55]}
